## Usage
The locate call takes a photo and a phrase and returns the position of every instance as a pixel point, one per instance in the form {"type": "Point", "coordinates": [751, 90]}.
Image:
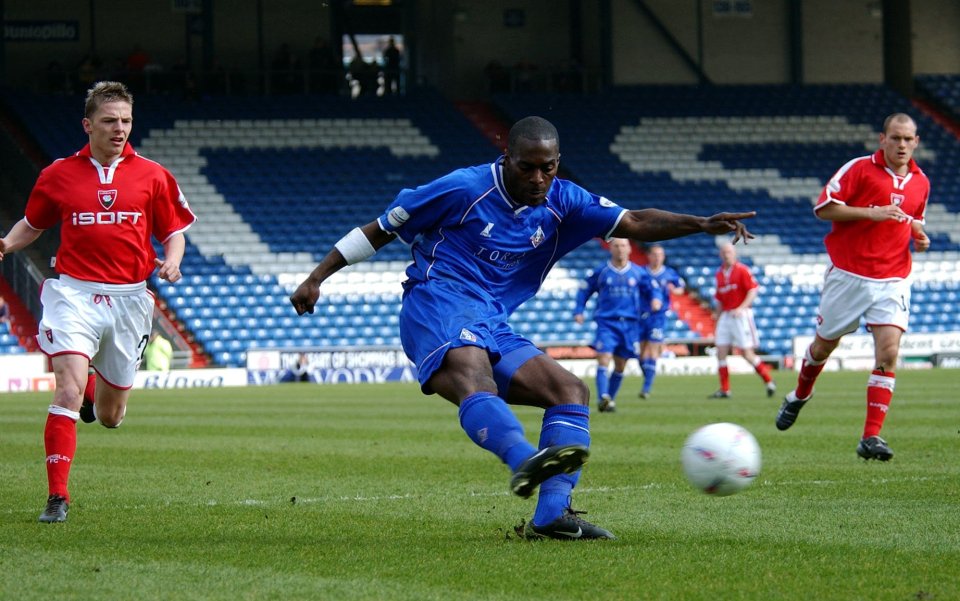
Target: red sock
{"type": "Point", "coordinates": [724, 377]}
{"type": "Point", "coordinates": [808, 375]}
{"type": "Point", "coordinates": [763, 370]}
{"type": "Point", "coordinates": [89, 393]}
{"type": "Point", "coordinates": [60, 441]}
{"type": "Point", "coordinates": [879, 394]}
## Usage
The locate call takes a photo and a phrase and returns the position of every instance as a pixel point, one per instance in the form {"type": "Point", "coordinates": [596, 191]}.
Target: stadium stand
{"type": "Point", "coordinates": [768, 148]}
{"type": "Point", "coordinates": [943, 89]}
{"type": "Point", "coordinates": [277, 181]}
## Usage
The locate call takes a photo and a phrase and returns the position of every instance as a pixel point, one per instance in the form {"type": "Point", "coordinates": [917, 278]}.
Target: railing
{"type": "Point", "coordinates": [24, 277]}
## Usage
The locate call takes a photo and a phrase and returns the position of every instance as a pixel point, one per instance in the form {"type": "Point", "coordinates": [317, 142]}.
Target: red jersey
{"type": "Point", "coordinates": [733, 285]}
{"type": "Point", "coordinates": [877, 250]}
{"type": "Point", "coordinates": [108, 214]}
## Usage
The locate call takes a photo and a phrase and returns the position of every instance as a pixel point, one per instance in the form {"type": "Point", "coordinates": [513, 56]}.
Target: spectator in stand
{"type": "Point", "coordinates": [109, 202]}
{"type": "Point", "coordinates": [391, 68]}
{"type": "Point", "coordinates": [653, 318]}
{"type": "Point", "coordinates": [4, 314]}
{"type": "Point", "coordinates": [136, 67]}
{"type": "Point", "coordinates": [326, 70]}
{"type": "Point", "coordinates": [877, 205]}
{"type": "Point", "coordinates": [736, 291]}
{"type": "Point", "coordinates": [617, 314]}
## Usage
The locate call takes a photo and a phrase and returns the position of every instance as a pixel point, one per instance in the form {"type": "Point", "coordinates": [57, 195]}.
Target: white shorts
{"type": "Point", "coordinates": [106, 323]}
{"type": "Point", "coordinates": [846, 298]}
{"type": "Point", "coordinates": [737, 331]}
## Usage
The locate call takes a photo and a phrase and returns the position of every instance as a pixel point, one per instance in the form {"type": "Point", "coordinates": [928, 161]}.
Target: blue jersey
{"type": "Point", "coordinates": [465, 228]}
{"type": "Point", "coordinates": [617, 291]}
{"type": "Point", "coordinates": [666, 278]}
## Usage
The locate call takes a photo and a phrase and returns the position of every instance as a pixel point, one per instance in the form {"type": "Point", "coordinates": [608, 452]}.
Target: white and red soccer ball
{"type": "Point", "coordinates": [721, 459]}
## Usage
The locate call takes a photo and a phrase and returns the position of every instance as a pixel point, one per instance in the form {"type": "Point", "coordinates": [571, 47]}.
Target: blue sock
{"type": "Point", "coordinates": [603, 381]}
{"type": "Point", "coordinates": [488, 422]}
{"type": "Point", "coordinates": [562, 425]}
{"type": "Point", "coordinates": [649, 367]}
{"type": "Point", "coordinates": [615, 380]}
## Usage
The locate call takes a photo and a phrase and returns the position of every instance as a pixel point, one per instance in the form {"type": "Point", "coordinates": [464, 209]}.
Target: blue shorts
{"type": "Point", "coordinates": [617, 336]}
{"type": "Point", "coordinates": [652, 328]}
{"type": "Point", "coordinates": [438, 316]}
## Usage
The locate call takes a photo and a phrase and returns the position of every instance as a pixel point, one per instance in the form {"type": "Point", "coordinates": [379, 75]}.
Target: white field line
{"type": "Point", "coordinates": [409, 496]}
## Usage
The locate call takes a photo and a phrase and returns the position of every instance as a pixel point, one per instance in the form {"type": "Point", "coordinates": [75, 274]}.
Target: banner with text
{"type": "Point", "coordinates": [343, 366]}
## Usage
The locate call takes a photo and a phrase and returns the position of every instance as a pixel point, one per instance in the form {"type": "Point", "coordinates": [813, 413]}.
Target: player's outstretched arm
{"type": "Point", "coordinates": [358, 245]}
{"type": "Point", "coordinates": [20, 236]}
{"type": "Point", "coordinates": [651, 225]}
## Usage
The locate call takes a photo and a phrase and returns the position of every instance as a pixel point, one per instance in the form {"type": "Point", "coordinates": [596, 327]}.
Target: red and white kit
{"type": "Point", "coordinates": [870, 259]}
{"type": "Point", "coordinates": [739, 330]}
{"type": "Point", "coordinates": [107, 215]}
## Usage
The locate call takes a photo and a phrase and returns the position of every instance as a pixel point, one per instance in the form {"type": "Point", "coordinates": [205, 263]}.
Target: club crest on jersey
{"type": "Point", "coordinates": [486, 231]}
{"type": "Point", "coordinates": [49, 335]}
{"type": "Point", "coordinates": [896, 199]}
{"type": "Point", "coordinates": [466, 334]}
{"type": "Point", "coordinates": [107, 197]}
{"type": "Point", "coordinates": [537, 238]}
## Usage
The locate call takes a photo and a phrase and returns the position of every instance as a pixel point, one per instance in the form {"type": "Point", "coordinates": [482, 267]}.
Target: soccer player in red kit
{"type": "Point", "coordinates": [877, 204]}
{"type": "Point", "coordinates": [109, 201]}
{"type": "Point", "coordinates": [736, 291]}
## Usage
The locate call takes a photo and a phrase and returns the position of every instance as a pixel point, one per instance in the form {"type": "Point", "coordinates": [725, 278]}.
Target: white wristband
{"type": "Point", "coordinates": [355, 247]}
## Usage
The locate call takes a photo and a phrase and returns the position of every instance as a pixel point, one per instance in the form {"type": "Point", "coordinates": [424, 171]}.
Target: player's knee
{"type": "Point", "coordinates": [69, 396]}
{"type": "Point", "coordinates": [110, 421]}
{"type": "Point", "coordinates": [575, 393]}
{"type": "Point", "coordinates": [111, 418]}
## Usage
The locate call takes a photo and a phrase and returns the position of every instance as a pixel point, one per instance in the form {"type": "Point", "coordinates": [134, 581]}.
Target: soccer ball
{"type": "Point", "coordinates": [721, 459]}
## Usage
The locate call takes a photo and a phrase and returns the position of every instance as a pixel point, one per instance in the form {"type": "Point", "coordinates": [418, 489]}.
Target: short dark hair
{"type": "Point", "coordinates": [105, 91]}
{"type": "Point", "coordinates": [531, 128]}
{"type": "Point", "coordinates": [899, 117]}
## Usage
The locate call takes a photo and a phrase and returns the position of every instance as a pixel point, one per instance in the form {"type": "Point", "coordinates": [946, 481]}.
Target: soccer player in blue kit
{"type": "Point", "coordinates": [653, 316]}
{"type": "Point", "coordinates": [483, 239]}
{"type": "Point", "coordinates": [619, 285]}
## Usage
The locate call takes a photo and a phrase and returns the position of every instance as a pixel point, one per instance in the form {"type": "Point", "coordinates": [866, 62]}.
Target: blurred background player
{"type": "Point", "coordinates": [108, 202]}
{"type": "Point", "coordinates": [877, 204]}
{"type": "Point", "coordinates": [736, 291]}
{"type": "Point", "coordinates": [653, 316]}
{"type": "Point", "coordinates": [616, 284]}
{"type": "Point", "coordinates": [159, 353]}
{"type": "Point", "coordinates": [483, 238]}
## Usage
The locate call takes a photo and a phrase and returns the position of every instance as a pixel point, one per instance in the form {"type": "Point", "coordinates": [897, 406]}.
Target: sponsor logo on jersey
{"type": "Point", "coordinates": [537, 238]}
{"type": "Point", "coordinates": [486, 231]}
{"type": "Point", "coordinates": [105, 217]}
{"type": "Point", "coordinates": [107, 197]}
{"type": "Point", "coordinates": [897, 199]}
{"type": "Point", "coordinates": [397, 216]}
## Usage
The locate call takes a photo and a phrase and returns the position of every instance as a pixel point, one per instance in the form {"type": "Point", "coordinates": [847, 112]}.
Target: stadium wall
{"type": "Point", "coordinates": [841, 39]}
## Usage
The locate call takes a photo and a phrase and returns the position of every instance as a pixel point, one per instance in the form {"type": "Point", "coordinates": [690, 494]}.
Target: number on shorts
{"type": "Point", "coordinates": [143, 346]}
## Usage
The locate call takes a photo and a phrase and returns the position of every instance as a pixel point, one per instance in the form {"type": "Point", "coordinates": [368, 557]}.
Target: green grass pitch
{"type": "Point", "coordinates": [373, 492]}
